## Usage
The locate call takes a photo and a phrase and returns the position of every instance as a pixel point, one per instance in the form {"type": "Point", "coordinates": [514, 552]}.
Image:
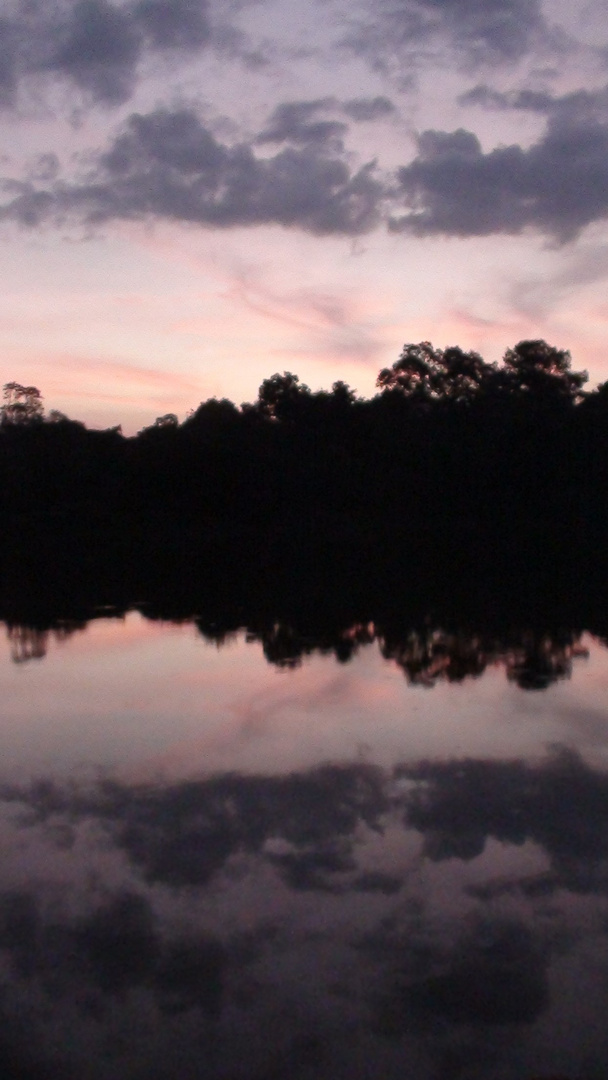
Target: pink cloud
{"type": "Point", "coordinates": [67, 379]}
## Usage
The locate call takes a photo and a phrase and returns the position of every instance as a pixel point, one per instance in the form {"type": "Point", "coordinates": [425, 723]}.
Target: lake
{"type": "Point", "coordinates": [260, 854]}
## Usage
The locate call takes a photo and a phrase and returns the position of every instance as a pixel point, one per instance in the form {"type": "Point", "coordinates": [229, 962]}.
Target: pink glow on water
{"type": "Point", "coordinates": [149, 699]}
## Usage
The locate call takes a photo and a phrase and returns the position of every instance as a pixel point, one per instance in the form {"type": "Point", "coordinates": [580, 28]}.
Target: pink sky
{"type": "Point", "coordinates": [186, 216]}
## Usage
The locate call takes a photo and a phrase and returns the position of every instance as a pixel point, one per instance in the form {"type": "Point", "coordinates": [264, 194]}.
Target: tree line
{"type": "Point", "coordinates": [449, 442]}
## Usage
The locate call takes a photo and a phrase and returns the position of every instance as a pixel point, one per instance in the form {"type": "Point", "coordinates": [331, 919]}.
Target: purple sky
{"type": "Point", "coordinates": [195, 194]}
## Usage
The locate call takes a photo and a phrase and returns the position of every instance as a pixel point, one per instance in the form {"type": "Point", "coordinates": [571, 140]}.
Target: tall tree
{"type": "Point", "coordinates": [22, 404]}
{"type": "Point", "coordinates": [540, 370]}
{"type": "Point", "coordinates": [426, 374]}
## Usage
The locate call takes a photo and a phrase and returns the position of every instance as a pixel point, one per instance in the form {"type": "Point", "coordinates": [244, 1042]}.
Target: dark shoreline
{"type": "Point", "coordinates": [462, 490]}
{"type": "Point", "coordinates": [421, 597]}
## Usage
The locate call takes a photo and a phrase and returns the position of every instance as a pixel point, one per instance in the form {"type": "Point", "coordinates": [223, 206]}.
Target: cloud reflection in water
{"type": "Point", "coordinates": [310, 922]}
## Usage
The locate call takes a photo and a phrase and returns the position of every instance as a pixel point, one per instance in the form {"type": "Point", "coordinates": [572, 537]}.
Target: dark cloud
{"type": "Point", "coordinates": [378, 882]}
{"type": "Point", "coordinates": [20, 931]}
{"type": "Point", "coordinates": [19, 1060]}
{"type": "Point", "coordinates": [98, 48]}
{"type": "Point", "coordinates": [580, 105]}
{"type": "Point", "coordinates": [136, 982]}
{"type": "Point", "coordinates": [561, 805]}
{"type": "Point", "coordinates": [503, 981]}
{"type": "Point", "coordinates": [167, 165]}
{"type": "Point", "coordinates": [558, 186]}
{"type": "Point", "coordinates": [184, 834]}
{"type": "Point", "coordinates": [8, 66]}
{"type": "Point", "coordinates": [164, 140]}
{"type": "Point", "coordinates": [98, 45]}
{"type": "Point", "coordinates": [190, 976]}
{"type": "Point", "coordinates": [306, 824]}
{"type": "Point", "coordinates": [480, 30]}
{"type": "Point", "coordinates": [46, 167]}
{"type": "Point", "coordinates": [298, 121]}
{"type": "Point", "coordinates": [95, 45]}
{"type": "Point", "coordinates": [501, 28]}
{"type": "Point", "coordinates": [488, 98]}
{"type": "Point", "coordinates": [187, 833]}
{"type": "Point", "coordinates": [532, 886]}
{"type": "Point", "coordinates": [363, 110]}
{"type": "Point", "coordinates": [173, 24]}
{"type": "Point", "coordinates": [293, 122]}
{"type": "Point", "coordinates": [495, 974]}
{"type": "Point", "coordinates": [315, 869]}
{"type": "Point", "coordinates": [113, 948]}
{"type": "Point", "coordinates": [118, 943]}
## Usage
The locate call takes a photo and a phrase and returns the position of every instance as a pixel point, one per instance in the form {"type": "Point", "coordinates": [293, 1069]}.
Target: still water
{"type": "Point", "coordinates": [250, 856]}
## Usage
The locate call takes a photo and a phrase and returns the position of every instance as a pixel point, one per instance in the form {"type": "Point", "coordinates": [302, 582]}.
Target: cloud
{"type": "Point", "coordinates": [577, 105]}
{"type": "Point", "coordinates": [173, 24]}
{"type": "Point", "coordinates": [557, 186]}
{"type": "Point", "coordinates": [115, 946]}
{"type": "Point", "coordinates": [488, 98]}
{"type": "Point", "coordinates": [95, 45]}
{"type": "Point", "coordinates": [487, 31]}
{"type": "Point", "coordinates": [293, 122]}
{"type": "Point", "coordinates": [8, 67]}
{"type": "Point", "coordinates": [98, 48]}
{"type": "Point", "coordinates": [306, 824]}
{"type": "Point", "coordinates": [493, 974]}
{"type": "Point", "coordinates": [167, 165]}
{"type": "Point", "coordinates": [535, 295]}
{"type": "Point", "coordinates": [118, 943]}
{"type": "Point", "coordinates": [184, 834]}
{"type": "Point", "coordinates": [160, 980]}
{"type": "Point", "coordinates": [364, 110]}
{"type": "Point", "coordinates": [561, 805]}
{"type": "Point", "coordinates": [314, 869]}
{"type": "Point", "coordinates": [297, 121]}
{"type": "Point", "coordinates": [146, 383]}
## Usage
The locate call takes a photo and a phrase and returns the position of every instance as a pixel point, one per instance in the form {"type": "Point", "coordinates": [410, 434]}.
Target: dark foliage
{"type": "Point", "coordinates": [443, 597]}
{"type": "Point", "coordinates": [458, 474]}
{"type": "Point", "coordinates": [448, 439]}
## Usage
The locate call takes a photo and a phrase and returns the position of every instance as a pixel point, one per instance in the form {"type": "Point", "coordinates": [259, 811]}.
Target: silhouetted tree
{"type": "Point", "coordinates": [22, 404]}
{"type": "Point", "coordinates": [342, 393]}
{"type": "Point", "coordinates": [212, 416]}
{"type": "Point", "coordinates": [426, 374]}
{"type": "Point", "coordinates": [542, 371]}
{"type": "Point", "coordinates": [451, 445]}
{"type": "Point", "coordinates": [169, 420]}
{"type": "Point", "coordinates": [281, 396]}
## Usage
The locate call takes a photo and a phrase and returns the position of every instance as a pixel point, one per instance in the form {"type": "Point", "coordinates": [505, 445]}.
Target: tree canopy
{"type": "Point", "coordinates": [426, 374]}
{"type": "Point", "coordinates": [22, 404]}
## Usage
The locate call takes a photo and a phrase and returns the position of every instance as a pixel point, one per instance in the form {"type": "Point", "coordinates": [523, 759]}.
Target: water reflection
{"type": "Point", "coordinates": [32, 642]}
{"type": "Point", "coordinates": [532, 660]}
{"type": "Point", "coordinates": [263, 862]}
{"type": "Point", "coordinates": [427, 655]}
{"type": "Point", "coordinates": [435, 919]}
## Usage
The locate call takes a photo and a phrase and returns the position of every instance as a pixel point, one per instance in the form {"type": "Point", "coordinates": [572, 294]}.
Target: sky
{"type": "Point", "coordinates": [196, 194]}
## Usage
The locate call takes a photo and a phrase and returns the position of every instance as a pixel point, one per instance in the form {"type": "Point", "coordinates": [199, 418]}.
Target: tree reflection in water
{"type": "Point", "coordinates": [31, 642]}
{"type": "Point", "coordinates": [531, 659]}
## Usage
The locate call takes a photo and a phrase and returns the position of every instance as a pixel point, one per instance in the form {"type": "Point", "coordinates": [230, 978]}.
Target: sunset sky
{"type": "Point", "coordinates": [198, 194]}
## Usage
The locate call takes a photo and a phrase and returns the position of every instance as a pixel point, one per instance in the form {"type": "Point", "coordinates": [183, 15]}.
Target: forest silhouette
{"type": "Point", "coordinates": [465, 499]}
{"type": "Point", "coordinates": [449, 441]}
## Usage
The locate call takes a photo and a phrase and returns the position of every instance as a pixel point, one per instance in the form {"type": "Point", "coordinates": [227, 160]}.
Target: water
{"type": "Point", "coordinates": [214, 865]}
